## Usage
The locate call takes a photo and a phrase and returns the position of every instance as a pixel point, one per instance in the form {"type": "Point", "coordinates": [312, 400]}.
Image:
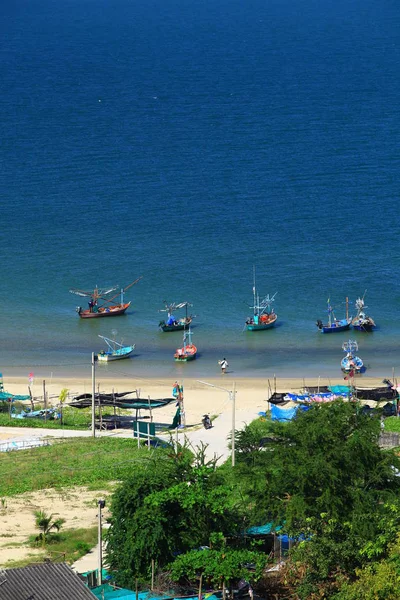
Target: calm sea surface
{"type": "Point", "coordinates": [187, 141]}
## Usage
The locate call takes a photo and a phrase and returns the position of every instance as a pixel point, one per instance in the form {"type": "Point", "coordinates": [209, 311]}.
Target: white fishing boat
{"type": "Point", "coordinates": [115, 350]}
{"type": "Point", "coordinates": [351, 363]}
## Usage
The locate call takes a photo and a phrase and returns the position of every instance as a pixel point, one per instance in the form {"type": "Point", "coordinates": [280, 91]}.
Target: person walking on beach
{"type": "Point", "coordinates": [223, 364]}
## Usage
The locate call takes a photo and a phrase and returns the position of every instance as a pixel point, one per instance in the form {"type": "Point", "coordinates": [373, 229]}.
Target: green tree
{"type": "Point", "coordinates": [327, 462]}
{"type": "Point", "coordinates": [45, 523]}
{"type": "Point", "coordinates": [324, 476]}
{"type": "Point", "coordinates": [217, 567]}
{"type": "Point", "coordinates": [172, 508]}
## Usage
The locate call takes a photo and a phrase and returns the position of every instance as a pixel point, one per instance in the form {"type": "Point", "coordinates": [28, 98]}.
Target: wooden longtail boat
{"type": "Point", "coordinates": [101, 304]}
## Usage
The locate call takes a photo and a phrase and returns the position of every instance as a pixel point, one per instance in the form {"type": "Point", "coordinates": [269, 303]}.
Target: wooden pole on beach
{"type": "Point", "coordinates": [152, 574]}
{"type": "Point", "coordinates": [93, 397]}
{"type": "Point", "coordinates": [44, 400]}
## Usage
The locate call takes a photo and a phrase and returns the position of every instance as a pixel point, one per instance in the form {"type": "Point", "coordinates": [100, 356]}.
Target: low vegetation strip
{"type": "Point", "coordinates": [72, 462]}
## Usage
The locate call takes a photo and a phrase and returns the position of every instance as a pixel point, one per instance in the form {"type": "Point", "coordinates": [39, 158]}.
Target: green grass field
{"type": "Point", "coordinates": [73, 418]}
{"type": "Point", "coordinates": [66, 546]}
{"type": "Point", "coordinates": [89, 462]}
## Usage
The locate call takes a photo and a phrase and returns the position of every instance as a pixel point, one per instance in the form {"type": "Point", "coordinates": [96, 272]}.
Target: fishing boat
{"type": "Point", "coordinates": [334, 324]}
{"type": "Point", "coordinates": [362, 322]}
{"type": "Point", "coordinates": [102, 302]}
{"type": "Point", "coordinates": [115, 350]}
{"type": "Point", "coordinates": [171, 323]}
{"type": "Point", "coordinates": [351, 362]}
{"type": "Point", "coordinates": [188, 350]}
{"type": "Point", "coordinates": [264, 316]}
{"type": "Point", "coordinates": [387, 392]}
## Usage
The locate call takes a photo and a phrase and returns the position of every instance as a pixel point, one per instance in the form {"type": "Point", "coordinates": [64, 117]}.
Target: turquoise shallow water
{"type": "Point", "coordinates": [187, 142]}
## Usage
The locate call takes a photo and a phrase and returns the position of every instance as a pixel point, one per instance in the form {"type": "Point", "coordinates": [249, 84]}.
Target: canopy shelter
{"type": "Point", "coordinates": [115, 400]}
{"type": "Point", "coordinates": [7, 396]}
{"type": "Point", "coordinates": [13, 397]}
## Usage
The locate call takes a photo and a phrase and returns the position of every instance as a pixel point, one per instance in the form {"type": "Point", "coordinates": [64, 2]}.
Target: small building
{"type": "Point", "coordinates": [48, 581]}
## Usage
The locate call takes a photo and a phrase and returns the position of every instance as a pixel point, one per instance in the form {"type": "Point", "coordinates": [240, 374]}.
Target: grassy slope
{"type": "Point", "coordinates": [72, 462]}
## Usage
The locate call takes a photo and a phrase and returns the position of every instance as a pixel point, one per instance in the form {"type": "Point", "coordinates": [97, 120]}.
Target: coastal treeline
{"type": "Point", "coordinates": [321, 479]}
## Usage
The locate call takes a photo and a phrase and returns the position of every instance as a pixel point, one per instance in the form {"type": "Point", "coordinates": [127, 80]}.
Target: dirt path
{"type": "Point", "coordinates": [78, 506]}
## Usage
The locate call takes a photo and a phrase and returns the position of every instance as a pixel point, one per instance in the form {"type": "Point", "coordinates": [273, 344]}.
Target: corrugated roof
{"type": "Point", "coordinates": [49, 581]}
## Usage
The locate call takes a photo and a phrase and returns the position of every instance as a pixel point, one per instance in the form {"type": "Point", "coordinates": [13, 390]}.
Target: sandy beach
{"type": "Point", "coordinates": [199, 398]}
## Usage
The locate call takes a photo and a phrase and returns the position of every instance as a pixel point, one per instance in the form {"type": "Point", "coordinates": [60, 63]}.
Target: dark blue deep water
{"type": "Point", "coordinates": [187, 141]}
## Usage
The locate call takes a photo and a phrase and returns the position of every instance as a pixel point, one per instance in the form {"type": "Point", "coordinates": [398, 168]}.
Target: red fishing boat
{"type": "Point", "coordinates": [188, 351]}
{"type": "Point", "coordinates": [101, 304]}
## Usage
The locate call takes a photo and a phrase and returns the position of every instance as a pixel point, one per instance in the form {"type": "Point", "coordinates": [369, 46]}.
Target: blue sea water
{"type": "Point", "coordinates": [187, 141]}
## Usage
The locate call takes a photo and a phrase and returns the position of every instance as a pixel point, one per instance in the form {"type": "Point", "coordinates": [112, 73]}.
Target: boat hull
{"type": "Point", "coordinates": [185, 358]}
{"type": "Point", "coordinates": [185, 354]}
{"type": "Point", "coordinates": [110, 356]}
{"type": "Point", "coordinates": [363, 325]}
{"type": "Point", "coordinates": [355, 364]}
{"type": "Point", "coordinates": [181, 324]}
{"type": "Point", "coordinates": [109, 311]}
{"type": "Point", "coordinates": [336, 327]}
{"type": "Point", "coordinates": [261, 325]}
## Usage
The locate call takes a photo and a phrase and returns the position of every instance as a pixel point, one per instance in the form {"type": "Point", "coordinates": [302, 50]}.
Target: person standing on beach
{"type": "Point", "coordinates": [223, 364]}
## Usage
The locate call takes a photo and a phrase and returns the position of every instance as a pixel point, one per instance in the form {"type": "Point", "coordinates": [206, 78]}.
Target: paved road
{"type": "Point", "coordinates": [216, 437]}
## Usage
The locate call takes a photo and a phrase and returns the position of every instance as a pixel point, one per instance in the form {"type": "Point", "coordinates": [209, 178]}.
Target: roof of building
{"type": "Point", "coordinates": [48, 581]}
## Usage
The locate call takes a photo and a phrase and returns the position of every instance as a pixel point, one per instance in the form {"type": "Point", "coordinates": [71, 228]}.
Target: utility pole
{"type": "Point", "coordinates": [101, 504]}
{"type": "Point", "coordinates": [93, 397]}
{"type": "Point", "coordinates": [233, 394]}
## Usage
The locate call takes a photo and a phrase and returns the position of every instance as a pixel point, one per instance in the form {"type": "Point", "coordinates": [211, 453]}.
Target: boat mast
{"type": "Point", "coordinates": [254, 290]}
{"type": "Point", "coordinates": [347, 308]}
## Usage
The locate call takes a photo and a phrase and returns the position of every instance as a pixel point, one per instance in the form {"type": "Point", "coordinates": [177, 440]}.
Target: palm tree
{"type": "Point", "coordinates": [45, 524]}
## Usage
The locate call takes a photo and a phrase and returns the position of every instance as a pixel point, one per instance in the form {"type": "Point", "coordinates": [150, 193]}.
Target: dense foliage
{"type": "Point", "coordinates": [166, 511]}
{"type": "Point", "coordinates": [322, 477]}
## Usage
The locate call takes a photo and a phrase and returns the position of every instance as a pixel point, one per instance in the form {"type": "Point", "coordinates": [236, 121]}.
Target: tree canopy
{"type": "Point", "coordinates": [322, 478]}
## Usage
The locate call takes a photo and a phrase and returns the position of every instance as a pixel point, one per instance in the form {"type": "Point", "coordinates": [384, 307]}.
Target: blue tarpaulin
{"type": "Point", "coordinates": [283, 414]}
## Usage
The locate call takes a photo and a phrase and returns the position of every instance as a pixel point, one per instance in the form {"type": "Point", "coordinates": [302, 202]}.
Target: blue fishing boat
{"type": "Point", "coordinates": [362, 322]}
{"type": "Point", "coordinates": [264, 316]}
{"type": "Point", "coordinates": [334, 324]}
{"type": "Point", "coordinates": [115, 350]}
{"type": "Point", "coordinates": [351, 363]}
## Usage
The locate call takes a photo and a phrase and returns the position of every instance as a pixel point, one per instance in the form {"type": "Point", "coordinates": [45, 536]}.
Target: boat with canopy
{"type": "Point", "coordinates": [171, 323]}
